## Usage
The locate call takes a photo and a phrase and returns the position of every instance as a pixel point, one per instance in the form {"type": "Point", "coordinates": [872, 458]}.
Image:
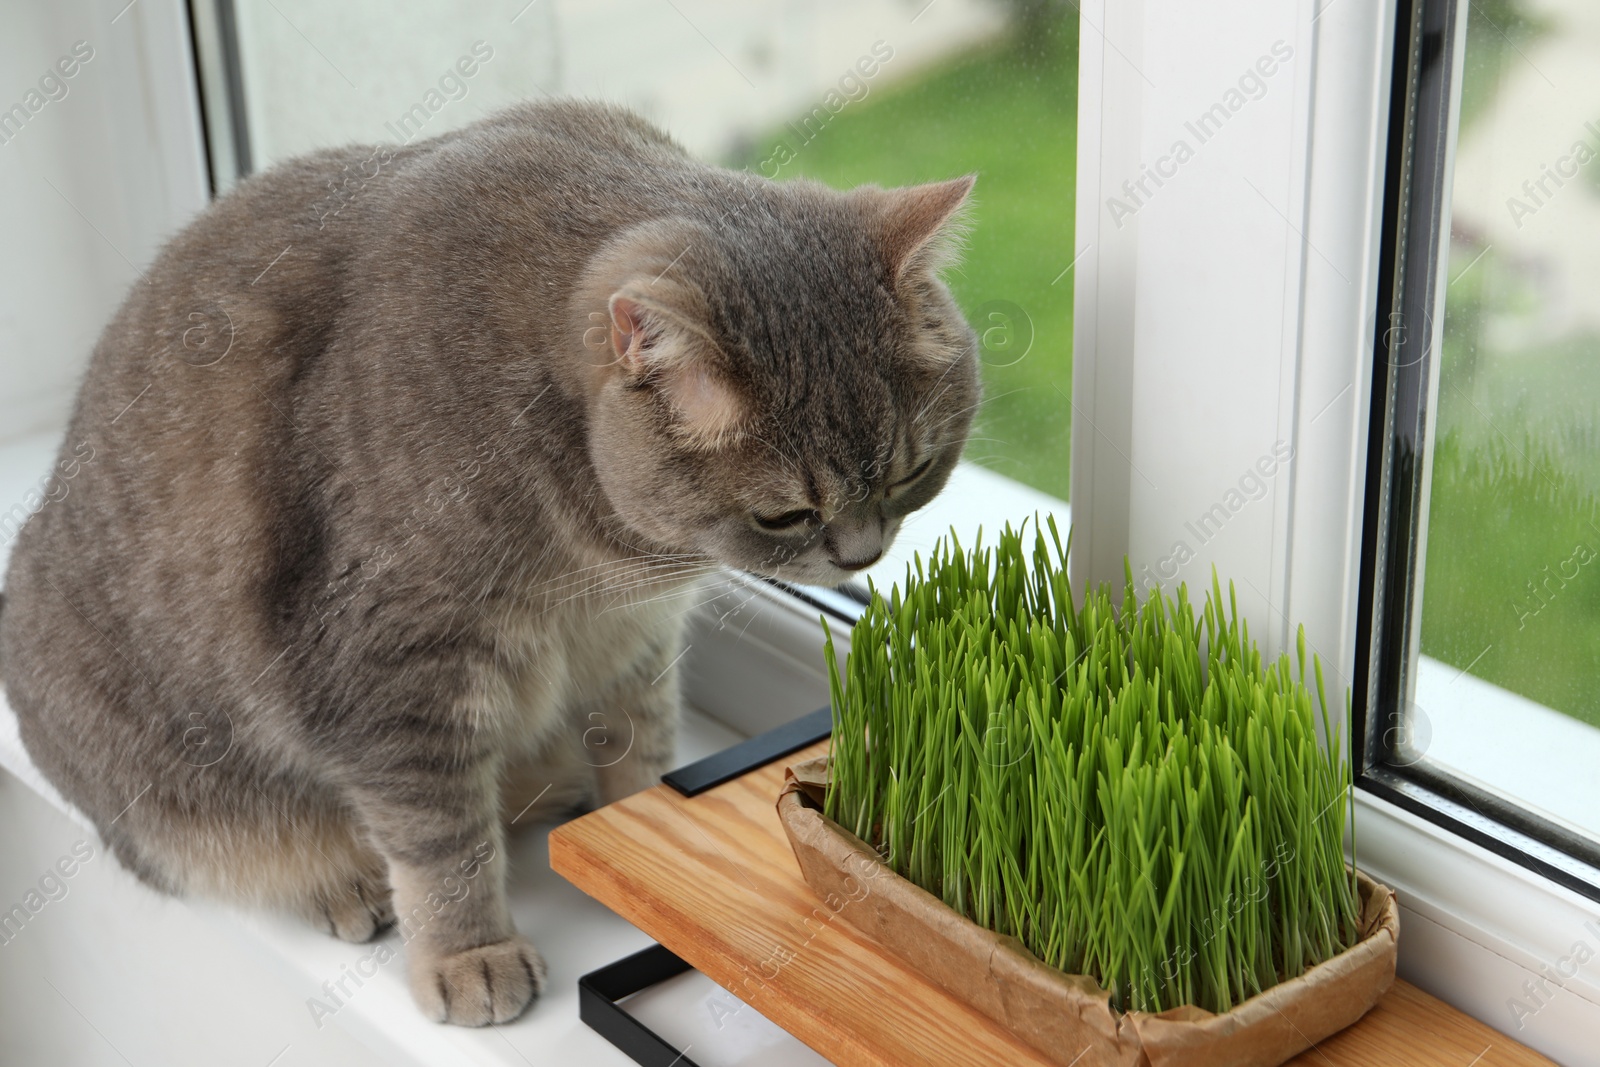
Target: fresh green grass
{"type": "Point", "coordinates": [1008, 113]}
{"type": "Point", "coordinates": [1135, 796]}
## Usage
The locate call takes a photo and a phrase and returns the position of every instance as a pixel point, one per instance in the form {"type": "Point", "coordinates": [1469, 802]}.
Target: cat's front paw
{"type": "Point", "coordinates": [358, 910]}
{"type": "Point", "coordinates": [492, 983]}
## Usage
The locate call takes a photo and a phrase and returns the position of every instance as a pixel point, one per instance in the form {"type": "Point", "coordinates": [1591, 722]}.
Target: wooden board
{"type": "Point", "coordinates": [713, 879]}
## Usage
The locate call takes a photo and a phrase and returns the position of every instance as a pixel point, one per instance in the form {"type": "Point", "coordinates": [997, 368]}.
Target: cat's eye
{"type": "Point", "coordinates": [788, 521]}
{"type": "Point", "coordinates": [922, 468]}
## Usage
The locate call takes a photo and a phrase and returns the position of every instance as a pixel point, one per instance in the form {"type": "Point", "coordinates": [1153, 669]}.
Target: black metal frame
{"type": "Point", "coordinates": [601, 992]}
{"type": "Point", "coordinates": [1404, 339]}
{"type": "Point", "coordinates": [845, 602]}
{"type": "Point", "coordinates": [212, 185]}
{"type": "Point", "coordinates": [695, 778]}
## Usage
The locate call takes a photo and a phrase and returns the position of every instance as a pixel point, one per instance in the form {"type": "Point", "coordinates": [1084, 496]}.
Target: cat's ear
{"type": "Point", "coordinates": [652, 349]}
{"type": "Point", "coordinates": [920, 225]}
{"type": "Point", "coordinates": [629, 338]}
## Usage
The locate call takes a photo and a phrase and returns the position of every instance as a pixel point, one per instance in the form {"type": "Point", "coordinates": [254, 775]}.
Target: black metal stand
{"type": "Point", "coordinates": [730, 763]}
{"type": "Point", "coordinates": [600, 992]}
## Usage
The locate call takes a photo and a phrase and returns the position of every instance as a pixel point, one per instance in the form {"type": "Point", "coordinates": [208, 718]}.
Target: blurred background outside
{"type": "Point", "coordinates": [844, 91]}
{"type": "Point", "coordinates": [1511, 589]}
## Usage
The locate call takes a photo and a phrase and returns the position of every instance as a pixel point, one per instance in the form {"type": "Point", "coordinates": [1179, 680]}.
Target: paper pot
{"type": "Point", "coordinates": [1067, 1017]}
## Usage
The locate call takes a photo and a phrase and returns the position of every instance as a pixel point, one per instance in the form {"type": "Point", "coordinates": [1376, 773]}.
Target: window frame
{"type": "Point", "coordinates": [1423, 123]}
{"type": "Point", "coordinates": [1480, 930]}
{"type": "Point", "coordinates": [219, 68]}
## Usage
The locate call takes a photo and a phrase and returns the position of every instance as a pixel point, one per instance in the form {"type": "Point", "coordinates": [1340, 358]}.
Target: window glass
{"type": "Point", "coordinates": [1506, 689]}
{"type": "Point", "coordinates": [845, 91]}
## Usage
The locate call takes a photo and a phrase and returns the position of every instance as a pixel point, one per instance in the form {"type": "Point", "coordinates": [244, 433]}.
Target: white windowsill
{"type": "Point", "coordinates": [1475, 928]}
{"type": "Point", "coordinates": [574, 933]}
{"type": "Point", "coordinates": [1510, 745]}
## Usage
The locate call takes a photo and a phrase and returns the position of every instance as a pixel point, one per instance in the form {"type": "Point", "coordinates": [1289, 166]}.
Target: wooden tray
{"type": "Point", "coordinates": [713, 879]}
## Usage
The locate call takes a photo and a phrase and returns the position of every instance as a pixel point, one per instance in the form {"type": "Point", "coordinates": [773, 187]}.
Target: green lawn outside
{"type": "Point", "coordinates": [1513, 567]}
{"type": "Point", "coordinates": [1008, 112]}
{"type": "Point", "coordinates": [1512, 581]}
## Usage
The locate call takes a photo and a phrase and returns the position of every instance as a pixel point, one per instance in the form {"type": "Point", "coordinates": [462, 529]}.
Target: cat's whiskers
{"type": "Point", "coordinates": [692, 590]}
{"type": "Point", "coordinates": [646, 573]}
{"type": "Point", "coordinates": [579, 575]}
{"type": "Point", "coordinates": [723, 618]}
{"type": "Point", "coordinates": [937, 394]}
{"type": "Point", "coordinates": [688, 587]}
{"type": "Point", "coordinates": [601, 571]}
{"type": "Point", "coordinates": [489, 582]}
{"type": "Point", "coordinates": [952, 415]}
{"type": "Point", "coordinates": [667, 584]}
{"type": "Point", "coordinates": [916, 419]}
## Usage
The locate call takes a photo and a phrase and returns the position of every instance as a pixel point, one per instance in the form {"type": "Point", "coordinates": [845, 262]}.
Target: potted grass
{"type": "Point", "coordinates": [1109, 829]}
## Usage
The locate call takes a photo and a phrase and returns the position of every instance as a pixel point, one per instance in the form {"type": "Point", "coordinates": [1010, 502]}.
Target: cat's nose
{"type": "Point", "coordinates": [854, 545]}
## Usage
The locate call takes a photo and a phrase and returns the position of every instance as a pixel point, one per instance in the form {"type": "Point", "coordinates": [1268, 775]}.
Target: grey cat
{"type": "Point", "coordinates": [395, 469]}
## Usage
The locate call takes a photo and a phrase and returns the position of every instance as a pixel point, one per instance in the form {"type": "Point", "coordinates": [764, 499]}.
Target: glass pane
{"type": "Point", "coordinates": [845, 91]}
{"type": "Point", "coordinates": [1506, 689]}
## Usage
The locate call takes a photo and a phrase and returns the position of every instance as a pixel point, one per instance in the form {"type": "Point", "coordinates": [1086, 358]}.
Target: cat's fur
{"type": "Point", "coordinates": [399, 460]}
